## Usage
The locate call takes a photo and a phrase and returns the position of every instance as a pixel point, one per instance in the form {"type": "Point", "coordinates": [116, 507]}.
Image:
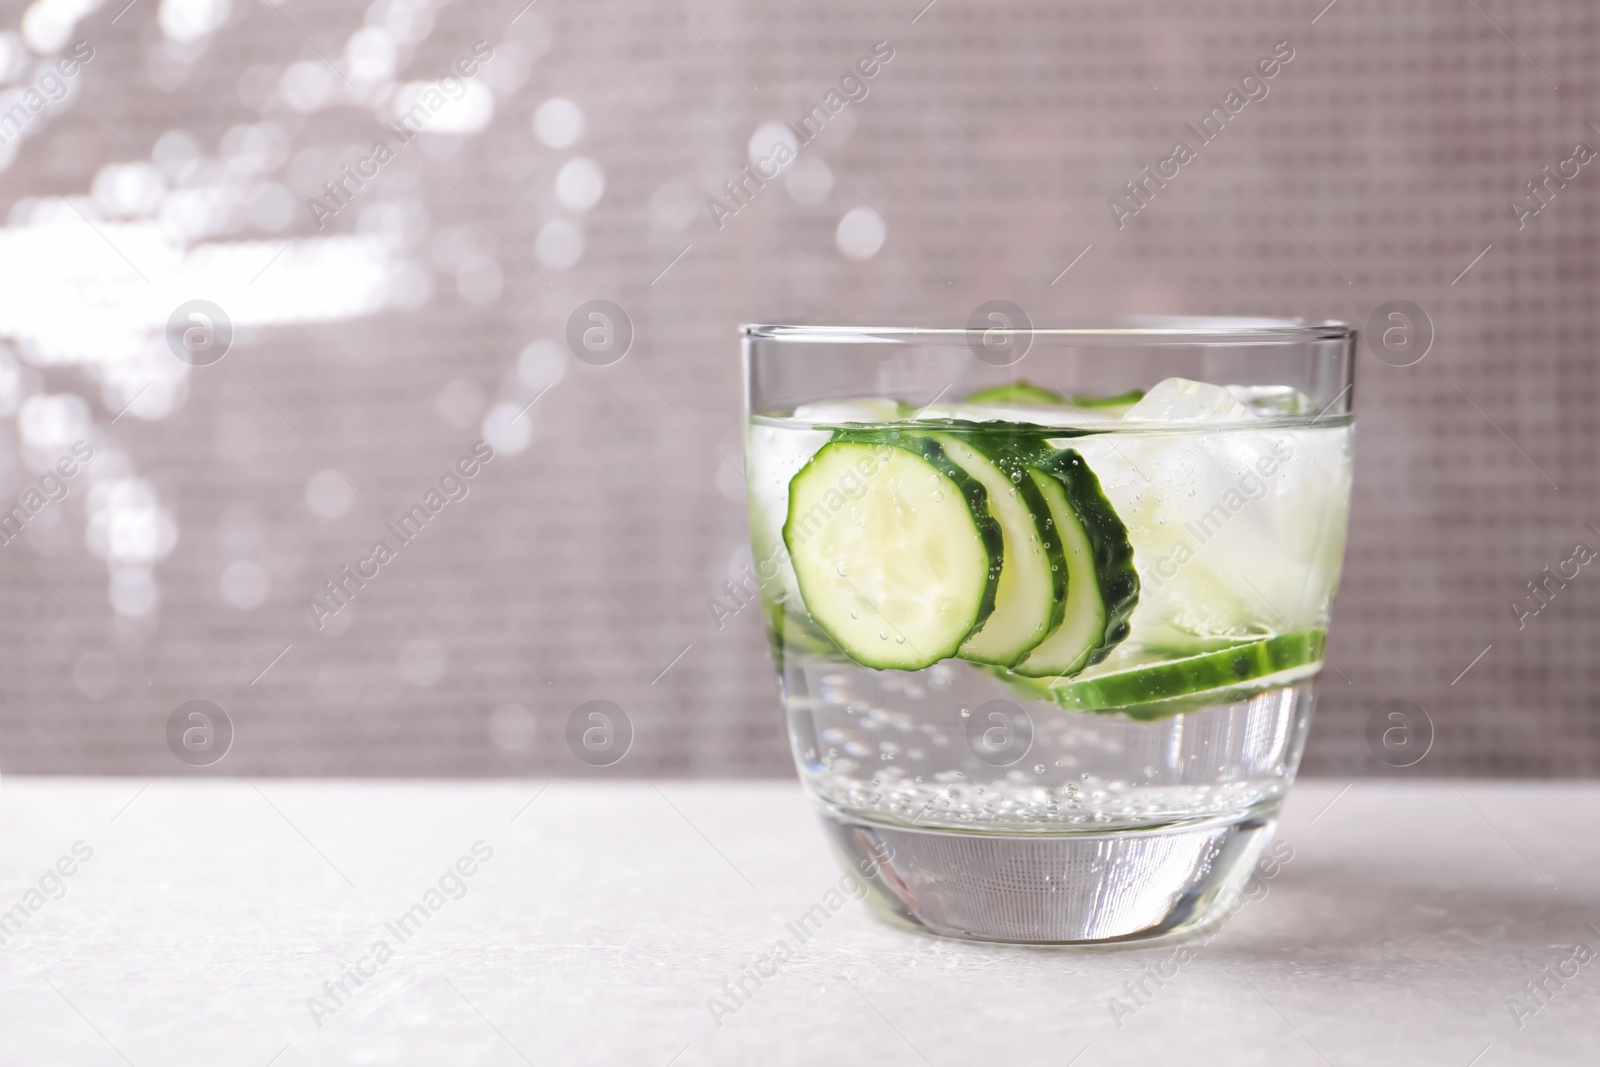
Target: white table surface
{"type": "Point", "coordinates": [610, 912]}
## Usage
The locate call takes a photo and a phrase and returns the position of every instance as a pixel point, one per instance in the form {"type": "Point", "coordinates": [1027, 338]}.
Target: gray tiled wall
{"type": "Point", "coordinates": [371, 354]}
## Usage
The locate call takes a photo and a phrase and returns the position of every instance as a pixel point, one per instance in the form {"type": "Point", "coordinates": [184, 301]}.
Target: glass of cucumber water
{"type": "Point", "coordinates": [1048, 606]}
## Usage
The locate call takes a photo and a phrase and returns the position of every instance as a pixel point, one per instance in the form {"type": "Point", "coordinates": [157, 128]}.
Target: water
{"type": "Point", "coordinates": [894, 746]}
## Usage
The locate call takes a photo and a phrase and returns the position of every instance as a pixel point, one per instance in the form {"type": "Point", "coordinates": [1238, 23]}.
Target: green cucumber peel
{"type": "Point", "coordinates": [1158, 690]}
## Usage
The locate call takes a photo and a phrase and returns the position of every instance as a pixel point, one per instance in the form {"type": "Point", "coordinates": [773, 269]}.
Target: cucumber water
{"type": "Point", "coordinates": [1148, 572]}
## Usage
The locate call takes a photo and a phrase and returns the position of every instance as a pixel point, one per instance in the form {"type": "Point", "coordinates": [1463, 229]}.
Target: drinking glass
{"type": "Point", "coordinates": [1048, 606]}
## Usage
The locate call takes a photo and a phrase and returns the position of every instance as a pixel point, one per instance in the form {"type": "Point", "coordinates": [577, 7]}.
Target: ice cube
{"type": "Point", "coordinates": [1272, 400]}
{"type": "Point", "coordinates": [773, 455]}
{"type": "Point", "coordinates": [853, 410]}
{"type": "Point", "coordinates": [1182, 400]}
{"type": "Point", "coordinates": [1236, 527]}
{"type": "Point", "coordinates": [1235, 531]}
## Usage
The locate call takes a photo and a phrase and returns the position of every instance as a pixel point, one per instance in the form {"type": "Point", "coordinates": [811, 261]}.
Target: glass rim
{"type": "Point", "coordinates": [1113, 330]}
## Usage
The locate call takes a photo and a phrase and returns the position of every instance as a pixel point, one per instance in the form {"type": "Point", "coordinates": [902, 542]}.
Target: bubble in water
{"type": "Point", "coordinates": [1038, 768]}
{"type": "Point", "coordinates": [937, 496]}
{"type": "Point", "coordinates": [854, 614]}
{"type": "Point", "coordinates": [899, 639]}
{"type": "Point", "coordinates": [883, 635]}
{"type": "Point", "coordinates": [965, 714]}
{"type": "Point", "coordinates": [1016, 476]}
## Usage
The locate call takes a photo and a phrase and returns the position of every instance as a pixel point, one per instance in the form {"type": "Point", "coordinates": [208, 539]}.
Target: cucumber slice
{"type": "Point", "coordinates": [1031, 596]}
{"type": "Point", "coordinates": [1121, 400]}
{"type": "Point", "coordinates": [1016, 424]}
{"type": "Point", "coordinates": [897, 557]}
{"type": "Point", "coordinates": [1018, 392]}
{"type": "Point", "coordinates": [1024, 393]}
{"type": "Point", "coordinates": [1102, 585]}
{"type": "Point", "coordinates": [1165, 709]}
{"type": "Point", "coordinates": [1259, 662]}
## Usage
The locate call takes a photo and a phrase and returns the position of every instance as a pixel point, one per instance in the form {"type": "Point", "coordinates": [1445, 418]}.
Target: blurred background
{"type": "Point", "coordinates": [378, 312]}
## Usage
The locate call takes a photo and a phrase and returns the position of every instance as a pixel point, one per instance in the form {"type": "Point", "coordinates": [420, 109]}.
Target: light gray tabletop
{"type": "Point", "coordinates": [600, 922]}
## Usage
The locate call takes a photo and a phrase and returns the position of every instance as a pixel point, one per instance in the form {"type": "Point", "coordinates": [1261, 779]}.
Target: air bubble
{"type": "Point", "coordinates": [937, 496]}
{"type": "Point", "coordinates": [899, 639]}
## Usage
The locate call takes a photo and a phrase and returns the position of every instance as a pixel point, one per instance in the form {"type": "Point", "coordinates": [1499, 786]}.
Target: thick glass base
{"type": "Point", "coordinates": [1054, 889]}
